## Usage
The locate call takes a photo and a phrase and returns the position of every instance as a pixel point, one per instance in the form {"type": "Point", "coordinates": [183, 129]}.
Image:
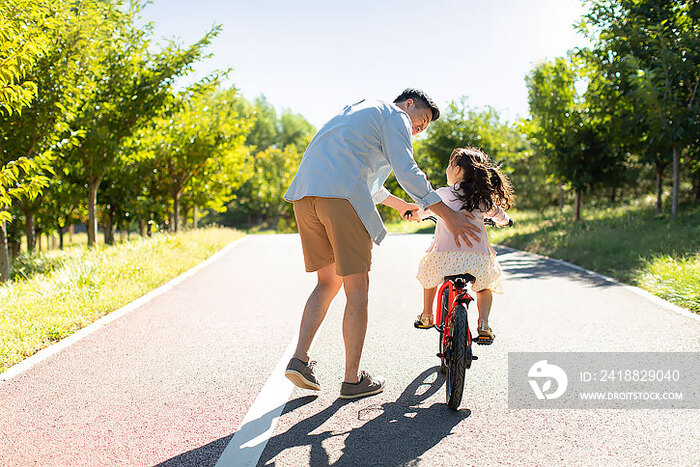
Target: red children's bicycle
{"type": "Point", "coordinates": [452, 323]}
{"type": "Point", "coordinates": [455, 342]}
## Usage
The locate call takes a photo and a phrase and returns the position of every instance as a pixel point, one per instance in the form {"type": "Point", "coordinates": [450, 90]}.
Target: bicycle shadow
{"type": "Point", "coordinates": [400, 433]}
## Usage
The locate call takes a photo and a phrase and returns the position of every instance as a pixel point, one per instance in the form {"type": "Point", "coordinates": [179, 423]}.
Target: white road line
{"type": "Point", "coordinates": [641, 292]}
{"type": "Point", "coordinates": [248, 442]}
{"type": "Point", "coordinates": [105, 320]}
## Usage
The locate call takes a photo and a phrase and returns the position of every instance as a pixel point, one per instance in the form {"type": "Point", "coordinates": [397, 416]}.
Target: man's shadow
{"type": "Point", "coordinates": [396, 434]}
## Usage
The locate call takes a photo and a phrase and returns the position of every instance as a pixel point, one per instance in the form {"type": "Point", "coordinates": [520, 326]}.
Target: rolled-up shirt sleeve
{"type": "Point", "coordinates": [380, 195]}
{"type": "Point", "coordinates": [396, 144]}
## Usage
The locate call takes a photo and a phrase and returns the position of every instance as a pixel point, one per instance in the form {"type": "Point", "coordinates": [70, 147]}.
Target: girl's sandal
{"type": "Point", "coordinates": [423, 322]}
{"type": "Point", "coordinates": [486, 335]}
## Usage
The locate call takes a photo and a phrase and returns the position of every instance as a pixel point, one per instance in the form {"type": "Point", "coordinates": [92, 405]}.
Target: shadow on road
{"type": "Point", "coordinates": [396, 433]}
{"type": "Point", "coordinates": [209, 454]}
{"type": "Point", "coordinates": [532, 267]}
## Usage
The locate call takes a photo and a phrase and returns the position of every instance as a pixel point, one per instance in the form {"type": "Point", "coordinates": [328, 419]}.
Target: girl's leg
{"type": "Point", "coordinates": [483, 303]}
{"type": "Point", "coordinates": [428, 299]}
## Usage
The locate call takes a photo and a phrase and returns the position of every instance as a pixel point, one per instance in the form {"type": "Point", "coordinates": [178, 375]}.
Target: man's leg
{"type": "Point", "coordinates": [316, 307]}
{"type": "Point", "coordinates": [355, 322]}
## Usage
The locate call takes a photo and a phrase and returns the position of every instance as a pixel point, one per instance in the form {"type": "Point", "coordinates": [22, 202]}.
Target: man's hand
{"type": "Point", "coordinates": [458, 223]}
{"type": "Point", "coordinates": [410, 212]}
{"type": "Point", "coordinates": [402, 206]}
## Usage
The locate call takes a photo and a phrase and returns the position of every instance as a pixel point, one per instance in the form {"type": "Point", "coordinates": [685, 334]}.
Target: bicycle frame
{"type": "Point", "coordinates": [454, 296]}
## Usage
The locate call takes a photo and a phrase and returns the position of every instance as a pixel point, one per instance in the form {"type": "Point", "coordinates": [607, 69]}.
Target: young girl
{"type": "Point", "coordinates": [478, 186]}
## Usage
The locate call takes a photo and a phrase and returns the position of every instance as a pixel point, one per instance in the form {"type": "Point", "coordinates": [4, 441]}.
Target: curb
{"type": "Point", "coordinates": [641, 292]}
{"type": "Point", "coordinates": [47, 352]}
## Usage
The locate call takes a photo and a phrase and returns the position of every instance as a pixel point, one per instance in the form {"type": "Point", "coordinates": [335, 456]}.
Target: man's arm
{"type": "Point", "coordinates": [402, 206]}
{"type": "Point", "coordinates": [396, 145]}
{"type": "Point", "coordinates": [396, 142]}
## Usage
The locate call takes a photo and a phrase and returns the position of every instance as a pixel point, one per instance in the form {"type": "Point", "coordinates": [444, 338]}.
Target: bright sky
{"type": "Point", "coordinates": [315, 56]}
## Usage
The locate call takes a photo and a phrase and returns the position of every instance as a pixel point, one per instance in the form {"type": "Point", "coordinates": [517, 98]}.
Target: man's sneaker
{"type": "Point", "coordinates": [367, 386]}
{"type": "Point", "coordinates": [302, 374]}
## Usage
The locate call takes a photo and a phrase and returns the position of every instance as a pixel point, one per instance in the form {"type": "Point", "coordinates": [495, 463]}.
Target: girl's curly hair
{"type": "Point", "coordinates": [483, 184]}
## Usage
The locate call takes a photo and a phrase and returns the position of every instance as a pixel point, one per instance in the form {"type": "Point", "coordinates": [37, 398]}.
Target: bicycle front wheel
{"type": "Point", "coordinates": [459, 359]}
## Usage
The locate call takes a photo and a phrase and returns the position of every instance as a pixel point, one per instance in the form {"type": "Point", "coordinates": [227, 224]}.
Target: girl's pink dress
{"type": "Point", "coordinates": [445, 258]}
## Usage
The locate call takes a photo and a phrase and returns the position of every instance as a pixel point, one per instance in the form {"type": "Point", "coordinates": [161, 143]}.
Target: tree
{"type": "Point", "coordinates": [25, 33]}
{"type": "Point", "coordinates": [265, 130]}
{"type": "Point", "coordinates": [134, 85]}
{"type": "Point", "coordinates": [566, 130]}
{"type": "Point", "coordinates": [654, 46]}
{"type": "Point", "coordinates": [295, 131]}
{"type": "Point", "coordinates": [62, 202]}
{"type": "Point", "coordinates": [187, 143]}
{"type": "Point", "coordinates": [42, 130]}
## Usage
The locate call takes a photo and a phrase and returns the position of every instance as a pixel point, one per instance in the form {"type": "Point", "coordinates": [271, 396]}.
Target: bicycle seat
{"type": "Point", "coordinates": [465, 277]}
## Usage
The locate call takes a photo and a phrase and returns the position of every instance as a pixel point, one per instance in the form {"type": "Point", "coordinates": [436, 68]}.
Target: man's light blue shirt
{"type": "Point", "coordinates": [351, 157]}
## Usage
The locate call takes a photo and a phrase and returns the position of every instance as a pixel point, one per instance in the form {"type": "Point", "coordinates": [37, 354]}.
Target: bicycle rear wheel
{"type": "Point", "coordinates": [443, 316]}
{"type": "Point", "coordinates": [460, 353]}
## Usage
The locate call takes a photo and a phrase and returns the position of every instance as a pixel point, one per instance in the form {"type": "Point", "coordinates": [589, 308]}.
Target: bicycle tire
{"type": "Point", "coordinates": [443, 316]}
{"type": "Point", "coordinates": [459, 354]}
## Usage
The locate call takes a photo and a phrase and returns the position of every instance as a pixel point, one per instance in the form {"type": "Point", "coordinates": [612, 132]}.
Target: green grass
{"type": "Point", "coordinates": [57, 293]}
{"type": "Point", "coordinates": [629, 243]}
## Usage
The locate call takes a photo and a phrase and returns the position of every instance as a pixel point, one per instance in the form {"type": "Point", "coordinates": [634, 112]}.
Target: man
{"type": "Point", "coordinates": [335, 192]}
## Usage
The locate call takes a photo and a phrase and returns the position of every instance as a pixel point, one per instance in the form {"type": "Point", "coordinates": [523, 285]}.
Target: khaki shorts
{"type": "Point", "coordinates": [332, 232]}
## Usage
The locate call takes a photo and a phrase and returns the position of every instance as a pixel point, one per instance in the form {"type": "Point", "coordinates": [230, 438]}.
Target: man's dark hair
{"type": "Point", "coordinates": [421, 99]}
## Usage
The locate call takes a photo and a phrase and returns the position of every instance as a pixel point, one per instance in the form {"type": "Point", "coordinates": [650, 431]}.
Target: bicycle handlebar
{"type": "Point", "coordinates": [487, 220]}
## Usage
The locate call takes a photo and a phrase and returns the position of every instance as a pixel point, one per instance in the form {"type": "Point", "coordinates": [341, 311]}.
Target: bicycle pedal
{"type": "Point", "coordinates": [474, 357]}
{"type": "Point", "coordinates": [481, 341]}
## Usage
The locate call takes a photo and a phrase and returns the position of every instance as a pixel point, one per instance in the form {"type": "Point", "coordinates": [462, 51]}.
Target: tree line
{"type": "Point", "coordinates": [609, 121]}
{"type": "Point", "coordinates": [94, 130]}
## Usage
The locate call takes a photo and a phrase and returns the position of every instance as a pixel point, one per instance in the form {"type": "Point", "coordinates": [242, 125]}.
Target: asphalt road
{"type": "Point", "coordinates": [171, 382]}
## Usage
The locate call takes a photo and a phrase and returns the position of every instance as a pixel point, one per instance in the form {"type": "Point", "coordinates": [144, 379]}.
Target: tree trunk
{"type": "Point", "coordinates": [30, 231]}
{"type": "Point", "coordinates": [577, 204]}
{"type": "Point", "coordinates": [15, 245]}
{"type": "Point", "coordinates": [174, 227]}
{"type": "Point", "coordinates": [659, 185]}
{"type": "Point", "coordinates": [4, 254]}
{"type": "Point", "coordinates": [194, 217]}
{"type": "Point", "coordinates": [612, 196]}
{"type": "Point", "coordinates": [109, 228]}
{"type": "Point", "coordinates": [676, 180]}
{"type": "Point", "coordinates": [561, 198]}
{"type": "Point", "coordinates": [92, 213]}
{"type": "Point", "coordinates": [60, 238]}
{"type": "Point", "coordinates": [142, 227]}
{"type": "Point", "coordinates": [185, 215]}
